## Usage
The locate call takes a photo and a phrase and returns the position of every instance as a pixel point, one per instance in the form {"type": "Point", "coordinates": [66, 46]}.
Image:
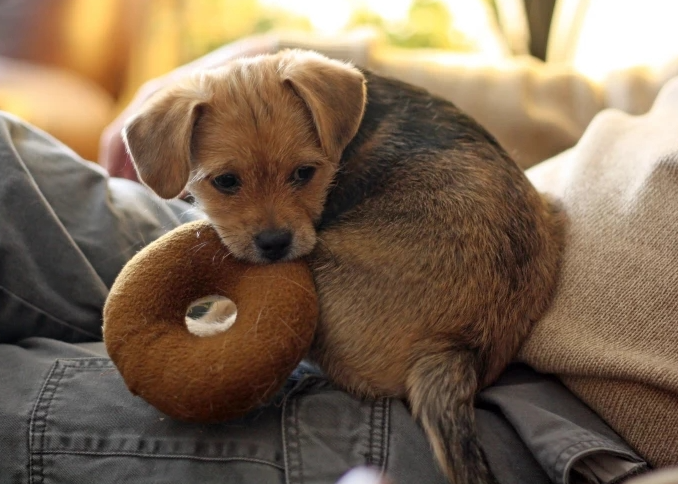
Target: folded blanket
{"type": "Point", "coordinates": [612, 331]}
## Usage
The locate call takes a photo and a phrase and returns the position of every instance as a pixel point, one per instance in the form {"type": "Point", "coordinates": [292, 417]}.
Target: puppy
{"type": "Point", "coordinates": [431, 251]}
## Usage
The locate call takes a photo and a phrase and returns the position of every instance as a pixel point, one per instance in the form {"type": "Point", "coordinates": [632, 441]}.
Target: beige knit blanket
{"type": "Point", "coordinates": [612, 331]}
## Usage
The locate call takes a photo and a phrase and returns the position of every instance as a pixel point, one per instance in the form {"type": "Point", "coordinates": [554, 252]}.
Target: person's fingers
{"type": "Point", "coordinates": [113, 155]}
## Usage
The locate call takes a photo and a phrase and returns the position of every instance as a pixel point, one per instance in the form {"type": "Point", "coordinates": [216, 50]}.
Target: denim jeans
{"type": "Point", "coordinates": [66, 230]}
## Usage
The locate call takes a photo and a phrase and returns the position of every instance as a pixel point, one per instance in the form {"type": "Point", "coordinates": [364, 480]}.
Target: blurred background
{"type": "Point", "coordinates": [69, 66]}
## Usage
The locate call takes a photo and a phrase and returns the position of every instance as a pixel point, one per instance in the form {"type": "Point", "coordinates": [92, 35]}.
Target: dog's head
{"type": "Point", "coordinates": [257, 142]}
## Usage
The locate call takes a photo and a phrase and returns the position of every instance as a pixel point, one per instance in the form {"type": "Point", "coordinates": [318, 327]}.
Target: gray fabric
{"type": "Point", "coordinates": [66, 416]}
{"type": "Point", "coordinates": [556, 429]}
{"type": "Point", "coordinates": [66, 232]}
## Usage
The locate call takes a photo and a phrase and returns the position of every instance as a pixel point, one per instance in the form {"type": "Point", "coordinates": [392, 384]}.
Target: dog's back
{"type": "Point", "coordinates": [435, 256]}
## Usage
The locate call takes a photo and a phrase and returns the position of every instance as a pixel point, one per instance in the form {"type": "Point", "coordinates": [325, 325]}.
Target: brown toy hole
{"type": "Point", "coordinates": [211, 315]}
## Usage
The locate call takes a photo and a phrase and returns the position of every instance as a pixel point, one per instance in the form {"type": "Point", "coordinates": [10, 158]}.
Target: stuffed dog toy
{"type": "Point", "coordinates": [431, 252]}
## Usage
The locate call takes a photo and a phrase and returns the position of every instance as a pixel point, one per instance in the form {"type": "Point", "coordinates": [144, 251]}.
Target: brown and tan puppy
{"type": "Point", "coordinates": [431, 252]}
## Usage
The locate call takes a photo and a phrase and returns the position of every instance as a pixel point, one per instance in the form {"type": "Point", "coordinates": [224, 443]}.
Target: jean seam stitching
{"type": "Point", "coordinates": [31, 422]}
{"type": "Point", "coordinates": [164, 456]}
{"type": "Point", "coordinates": [369, 457]}
{"type": "Point", "coordinates": [298, 438]}
{"type": "Point", "coordinates": [41, 407]}
{"type": "Point", "coordinates": [374, 456]}
{"type": "Point", "coordinates": [48, 406]}
{"type": "Point", "coordinates": [75, 363]}
{"type": "Point", "coordinates": [386, 430]}
{"type": "Point", "coordinates": [285, 439]}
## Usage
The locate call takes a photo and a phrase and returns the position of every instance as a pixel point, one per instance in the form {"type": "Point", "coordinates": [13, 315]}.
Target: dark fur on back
{"type": "Point", "coordinates": [456, 224]}
{"type": "Point", "coordinates": [420, 125]}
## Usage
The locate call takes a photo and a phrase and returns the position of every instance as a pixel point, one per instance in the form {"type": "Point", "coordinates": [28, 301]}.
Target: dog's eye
{"type": "Point", "coordinates": [227, 183]}
{"type": "Point", "coordinates": [303, 174]}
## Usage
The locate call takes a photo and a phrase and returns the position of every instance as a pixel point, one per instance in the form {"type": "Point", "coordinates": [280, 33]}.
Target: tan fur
{"type": "Point", "coordinates": [160, 136]}
{"type": "Point", "coordinates": [412, 281]}
{"type": "Point", "coordinates": [236, 113]}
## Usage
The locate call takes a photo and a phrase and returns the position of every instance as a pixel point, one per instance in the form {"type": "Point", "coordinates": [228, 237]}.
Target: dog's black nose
{"type": "Point", "coordinates": [274, 244]}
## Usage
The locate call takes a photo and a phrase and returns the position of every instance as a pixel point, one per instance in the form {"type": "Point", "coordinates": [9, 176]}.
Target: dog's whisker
{"type": "Point", "coordinates": [196, 248]}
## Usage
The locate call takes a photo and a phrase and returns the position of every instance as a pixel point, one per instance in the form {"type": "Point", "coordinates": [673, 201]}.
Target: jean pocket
{"type": "Point", "coordinates": [327, 432]}
{"type": "Point", "coordinates": [87, 427]}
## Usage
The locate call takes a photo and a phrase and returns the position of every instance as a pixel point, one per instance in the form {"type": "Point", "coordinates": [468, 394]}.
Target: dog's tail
{"type": "Point", "coordinates": [441, 391]}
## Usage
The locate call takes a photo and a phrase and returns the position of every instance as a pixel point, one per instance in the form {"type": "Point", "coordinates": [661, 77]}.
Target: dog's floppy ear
{"type": "Point", "coordinates": [158, 138]}
{"type": "Point", "coordinates": [334, 93]}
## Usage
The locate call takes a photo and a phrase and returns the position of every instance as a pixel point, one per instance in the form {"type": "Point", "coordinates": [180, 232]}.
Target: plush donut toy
{"type": "Point", "coordinates": [212, 378]}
